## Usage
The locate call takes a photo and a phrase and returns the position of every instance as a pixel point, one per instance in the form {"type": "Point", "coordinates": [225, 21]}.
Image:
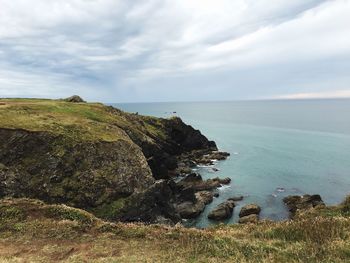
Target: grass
{"type": "Point", "coordinates": [32, 231]}
{"type": "Point", "coordinates": [76, 121]}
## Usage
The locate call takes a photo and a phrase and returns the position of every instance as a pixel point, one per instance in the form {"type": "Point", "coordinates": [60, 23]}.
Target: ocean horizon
{"type": "Point", "coordinates": [278, 148]}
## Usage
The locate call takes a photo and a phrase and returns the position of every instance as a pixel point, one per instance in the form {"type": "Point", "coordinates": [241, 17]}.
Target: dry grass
{"type": "Point", "coordinates": [32, 231]}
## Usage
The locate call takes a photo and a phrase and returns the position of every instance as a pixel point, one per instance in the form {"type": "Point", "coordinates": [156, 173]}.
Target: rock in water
{"type": "Point", "coordinates": [251, 209]}
{"type": "Point", "coordinates": [205, 197]}
{"type": "Point", "coordinates": [189, 210]}
{"type": "Point", "coordinates": [304, 202]}
{"type": "Point", "coordinates": [236, 198]}
{"type": "Point", "coordinates": [222, 211]}
{"type": "Point", "coordinates": [75, 98]}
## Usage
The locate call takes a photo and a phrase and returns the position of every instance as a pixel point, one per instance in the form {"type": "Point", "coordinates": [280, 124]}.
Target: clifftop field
{"type": "Point", "coordinates": [31, 231]}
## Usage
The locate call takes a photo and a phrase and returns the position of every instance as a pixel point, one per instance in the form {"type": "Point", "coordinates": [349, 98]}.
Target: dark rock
{"type": "Point", "coordinates": [249, 210]}
{"type": "Point", "coordinates": [236, 198]}
{"type": "Point", "coordinates": [222, 211]}
{"type": "Point", "coordinates": [207, 159]}
{"type": "Point", "coordinates": [185, 194]}
{"type": "Point", "coordinates": [193, 177]}
{"type": "Point", "coordinates": [150, 205]}
{"type": "Point", "coordinates": [226, 180]}
{"type": "Point", "coordinates": [216, 155]}
{"type": "Point", "coordinates": [205, 197]}
{"type": "Point", "coordinates": [249, 219]}
{"type": "Point", "coordinates": [196, 182]}
{"type": "Point", "coordinates": [75, 99]}
{"type": "Point", "coordinates": [189, 210]}
{"type": "Point", "coordinates": [304, 202]}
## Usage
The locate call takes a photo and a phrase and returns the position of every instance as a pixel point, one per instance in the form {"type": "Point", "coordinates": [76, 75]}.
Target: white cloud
{"type": "Point", "coordinates": [117, 45]}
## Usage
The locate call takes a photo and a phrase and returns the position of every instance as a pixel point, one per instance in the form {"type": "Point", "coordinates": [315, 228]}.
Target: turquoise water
{"type": "Point", "coordinates": [302, 146]}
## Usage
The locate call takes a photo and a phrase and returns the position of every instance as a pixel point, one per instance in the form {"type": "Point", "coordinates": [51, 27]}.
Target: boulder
{"type": "Point", "coordinates": [205, 197]}
{"type": "Point", "coordinates": [189, 210]}
{"type": "Point", "coordinates": [253, 218]}
{"type": "Point", "coordinates": [304, 202]}
{"type": "Point", "coordinates": [226, 180]}
{"type": "Point", "coordinates": [75, 99]}
{"type": "Point", "coordinates": [250, 209]}
{"type": "Point", "coordinates": [222, 211]}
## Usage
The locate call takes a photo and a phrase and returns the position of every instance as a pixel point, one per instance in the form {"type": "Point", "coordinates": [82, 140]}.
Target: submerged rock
{"type": "Point", "coordinates": [304, 202]}
{"type": "Point", "coordinates": [236, 198]}
{"type": "Point", "coordinates": [251, 209]}
{"type": "Point", "coordinates": [222, 211]}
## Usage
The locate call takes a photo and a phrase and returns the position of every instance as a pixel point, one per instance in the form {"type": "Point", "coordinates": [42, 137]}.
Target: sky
{"type": "Point", "coordinates": [175, 50]}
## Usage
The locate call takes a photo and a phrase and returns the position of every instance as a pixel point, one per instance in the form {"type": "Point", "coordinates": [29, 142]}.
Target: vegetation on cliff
{"type": "Point", "coordinates": [33, 231]}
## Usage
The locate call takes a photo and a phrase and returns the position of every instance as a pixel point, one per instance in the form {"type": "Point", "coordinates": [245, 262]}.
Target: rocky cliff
{"type": "Point", "coordinates": [95, 157]}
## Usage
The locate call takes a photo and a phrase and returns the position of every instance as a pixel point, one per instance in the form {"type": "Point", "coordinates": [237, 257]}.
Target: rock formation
{"type": "Point", "coordinates": [222, 211]}
{"type": "Point", "coordinates": [304, 202]}
{"type": "Point", "coordinates": [101, 159]}
{"type": "Point", "coordinates": [249, 214]}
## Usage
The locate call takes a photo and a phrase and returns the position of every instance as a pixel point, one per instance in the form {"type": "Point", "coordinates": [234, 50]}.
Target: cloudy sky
{"type": "Point", "coordinates": [175, 50]}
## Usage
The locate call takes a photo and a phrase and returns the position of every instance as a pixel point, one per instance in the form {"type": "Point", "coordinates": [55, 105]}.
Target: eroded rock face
{"type": "Point", "coordinates": [222, 211]}
{"type": "Point", "coordinates": [44, 166]}
{"type": "Point", "coordinates": [152, 205]}
{"type": "Point", "coordinates": [251, 209]}
{"type": "Point", "coordinates": [304, 202]}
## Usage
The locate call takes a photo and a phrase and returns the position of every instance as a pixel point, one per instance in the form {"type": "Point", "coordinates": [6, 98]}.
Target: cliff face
{"type": "Point", "coordinates": [92, 156]}
{"type": "Point", "coordinates": [86, 174]}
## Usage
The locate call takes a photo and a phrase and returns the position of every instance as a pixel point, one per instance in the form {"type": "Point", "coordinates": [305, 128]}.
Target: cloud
{"type": "Point", "coordinates": [151, 50]}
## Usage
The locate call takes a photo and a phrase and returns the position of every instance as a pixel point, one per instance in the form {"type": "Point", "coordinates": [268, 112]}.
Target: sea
{"type": "Point", "coordinates": [278, 148]}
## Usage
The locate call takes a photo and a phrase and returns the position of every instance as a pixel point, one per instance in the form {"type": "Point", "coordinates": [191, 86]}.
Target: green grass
{"type": "Point", "coordinates": [50, 233]}
{"type": "Point", "coordinates": [76, 121]}
{"type": "Point", "coordinates": [109, 211]}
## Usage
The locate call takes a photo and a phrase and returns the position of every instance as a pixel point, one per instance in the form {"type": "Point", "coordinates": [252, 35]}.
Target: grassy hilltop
{"type": "Point", "coordinates": [31, 231]}
{"type": "Point", "coordinates": [77, 121]}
